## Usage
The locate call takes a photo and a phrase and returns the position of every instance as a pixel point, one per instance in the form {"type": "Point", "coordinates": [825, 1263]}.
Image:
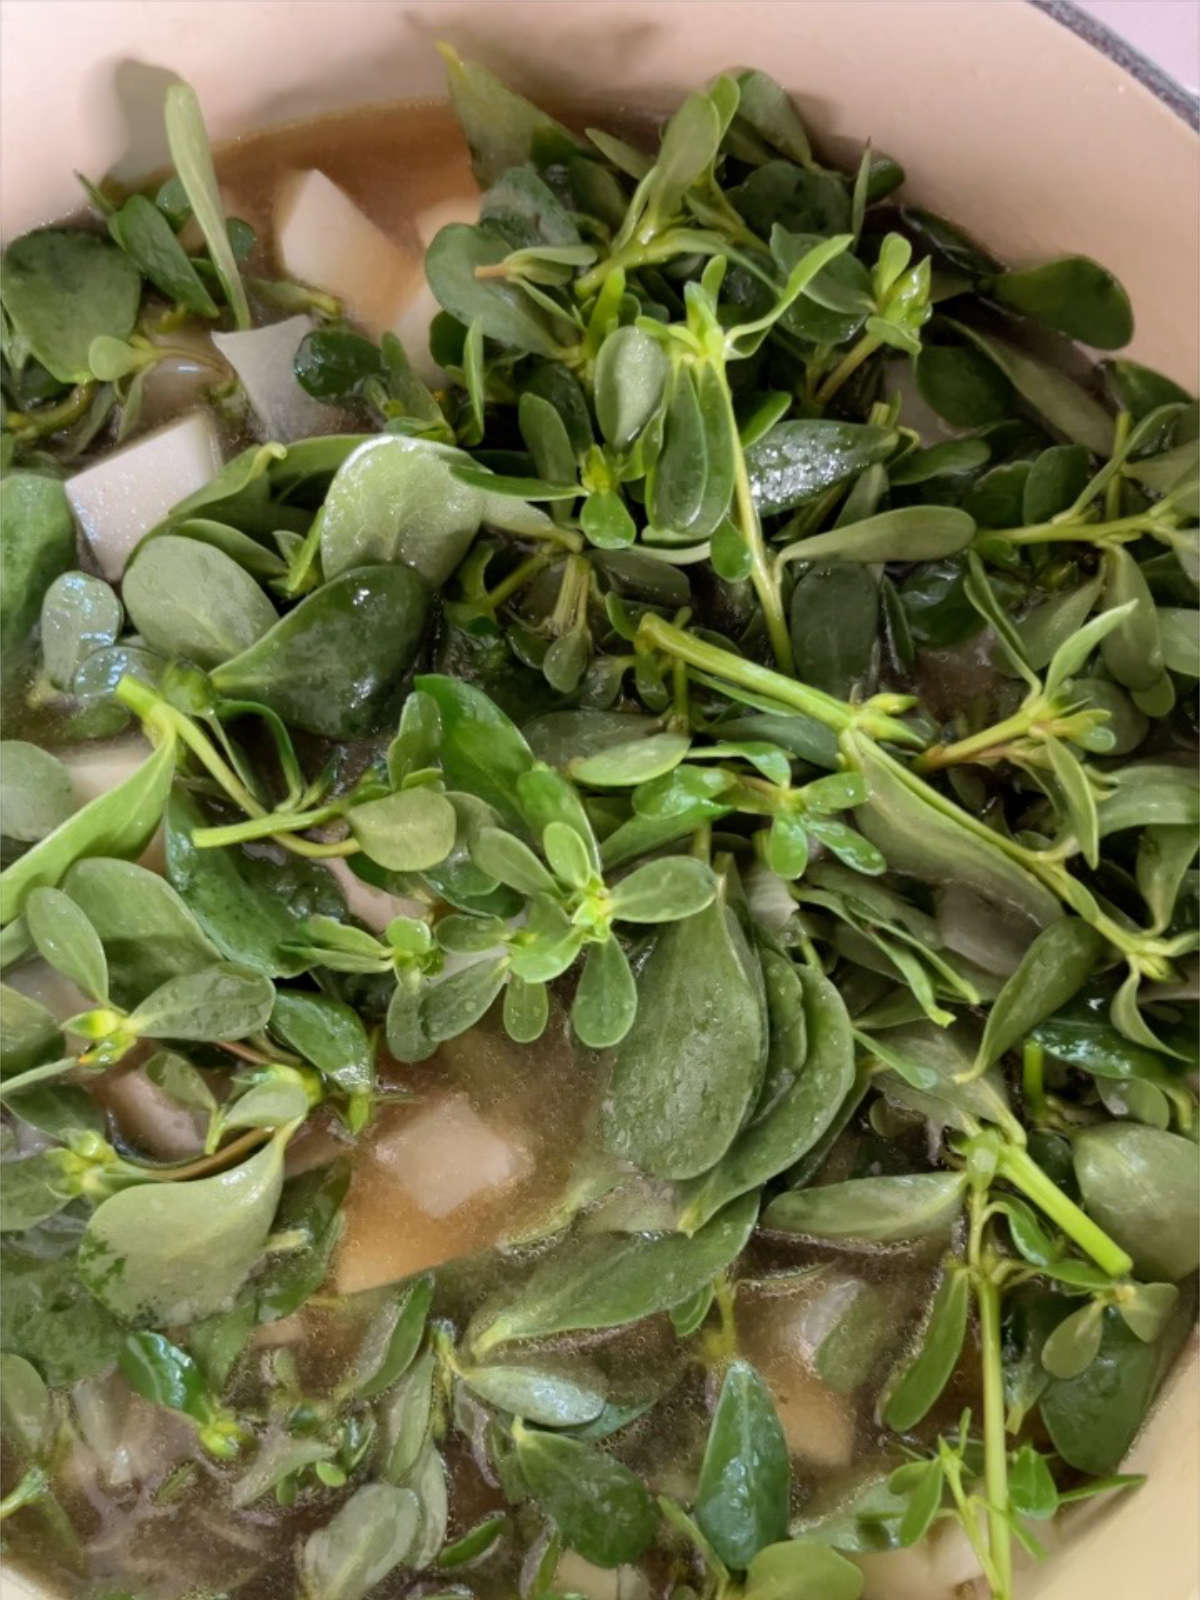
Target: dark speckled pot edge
{"type": "Point", "coordinates": [1183, 103]}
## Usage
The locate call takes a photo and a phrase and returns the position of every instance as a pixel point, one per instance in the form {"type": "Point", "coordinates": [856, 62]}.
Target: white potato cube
{"type": "Point", "coordinates": [262, 359]}
{"type": "Point", "coordinates": [455, 208]}
{"type": "Point", "coordinates": [121, 498]}
{"type": "Point", "coordinates": [322, 238]}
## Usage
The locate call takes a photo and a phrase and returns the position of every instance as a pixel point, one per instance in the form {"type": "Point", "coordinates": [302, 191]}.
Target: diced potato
{"type": "Point", "coordinates": [455, 208]}
{"type": "Point", "coordinates": [120, 499]}
{"type": "Point", "coordinates": [262, 359]}
{"type": "Point", "coordinates": [375, 907]}
{"type": "Point", "coordinates": [818, 1422]}
{"type": "Point", "coordinates": [412, 326]}
{"type": "Point", "coordinates": [574, 1575]}
{"type": "Point", "coordinates": [97, 768]}
{"type": "Point", "coordinates": [323, 239]}
{"type": "Point", "coordinates": [421, 1192]}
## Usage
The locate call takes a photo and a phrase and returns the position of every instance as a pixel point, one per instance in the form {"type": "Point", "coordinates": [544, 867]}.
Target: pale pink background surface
{"type": "Point", "coordinates": [1166, 31]}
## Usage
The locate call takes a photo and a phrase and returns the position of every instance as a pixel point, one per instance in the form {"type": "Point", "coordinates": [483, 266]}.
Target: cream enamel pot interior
{"type": "Point", "coordinates": [1006, 121]}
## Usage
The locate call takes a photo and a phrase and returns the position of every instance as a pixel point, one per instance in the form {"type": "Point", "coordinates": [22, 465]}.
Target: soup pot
{"type": "Point", "coordinates": [1022, 130]}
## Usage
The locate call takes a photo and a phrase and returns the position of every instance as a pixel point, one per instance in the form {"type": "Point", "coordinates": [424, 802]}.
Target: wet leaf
{"type": "Point", "coordinates": [368, 1538]}
{"type": "Point", "coordinates": [64, 287]}
{"type": "Point", "coordinates": [1142, 1186]}
{"type": "Point", "coordinates": [689, 1069]}
{"type": "Point", "coordinates": [599, 1507]}
{"type": "Point", "coordinates": [927, 1374]}
{"type": "Point", "coordinates": [742, 1498]}
{"type": "Point", "coordinates": [799, 459]}
{"type": "Point", "coordinates": [171, 1252]}
{"type": "Point", "coordinates": [333, 665]}
{"type": "Point", "coordinates": [877, 1210]}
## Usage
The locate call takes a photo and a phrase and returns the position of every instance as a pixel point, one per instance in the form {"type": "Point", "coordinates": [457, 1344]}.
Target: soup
{"type": "Point", "coordinates": [599, 940]}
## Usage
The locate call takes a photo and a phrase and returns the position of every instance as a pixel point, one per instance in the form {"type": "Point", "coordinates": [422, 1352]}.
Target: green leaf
{"type": "Point", "coordinates": [526, 1009]}
{"type": "Point", "coordinates": [165, 1375]}
{"type": "Point", "coordinates": [405, 1419]}
{"type": "Point", "coordinates": [606, 1000]}
{"type": "Point", "coordinates": [884, 1210]}
{"type": "Point", "coordinates": [390, 1343]}
{"type": "Point", "coordinates": [962, 385]}
{"type": "Point", "coordinates": [688, 1071]}
{"type": "Point", "coordinates": [1054, 969]}
{"type": "Point", "coordinates": [329, 1034]}
{"type": "Point", "coordinates": [481, 750]}
{"type": "Point", "coordinates": [333, 665]}
{"type": "Point", "coordinates": [1073, 653]}
{"type": "Point", "coordinates": [910, 533]}
{"type": "Point", "coordinates": [451, 1005]}
{"type": "Point", "coordinates": [398, 499]}
{"type": "Point", "coordinates": [1031, 1488]}
{"type": "Point", "coordinates": [502, 129]}
{"type": "Point", "coordinates": [1132, 650]}
{"type": "Point", "coordinates": [35, 1187]}
{"type": "Point", "coordinates": [408, 831]}
{"type": "Point", "coordinates": [927, 1374]}
{"type": "Point", "coordinates": [664, 891]}
{"type": "Point", "coordinates": [119, 822]}
{"type": "Point", "coordinates": [1077, 799]}
{"type": "Point", "coordinates": [149, 241]}
{"type": "Point", "coordinates": [799, 459]}
{"type": "Point", "coordinates": [1073, 295]}
{"type": "Point", "coordinates": [624, 765]}
{"type": "Point", "coordinates": [787, 846]}
{"type": "Point", "coordinates": [217, 1002]}
{"type": "Point", "coordinates": [64, 287]}
{"type": "Point", "coordinates": [29, 1035]}
{"type": "Point", "coordinates": [1094, 1418]}
{"type": "Point", "coordinates": [608, 1280]}
{"type": "Point", "coordinates": [36, 792]}
{"type": "Point", "coordinates": [1147, 793]}
{"type": "Point", "coordinates": [1075, 1342]}
{"type": "Point", "coordinates": [370, 1536]}
{"type": "Point", "coordinates": [567, 854]}
{"type": "Point", "coordinates": [249, 907]}
{"type": "Point", "coordinates": [834, 624]}
{"type": "Point", "coordinates": [802, 1569]}
{"type": "Point", "coordinates": [330, 363]}
{"type": "Point", "coordinates": [1142, 1186]}
{"type": "Point", "coordinates": [67, 940]}
{"type": "Point", "coordinates": [26, 1419]}
{"type": "Point", "coordinates": [48, 1317]}
{"type": "Point", "coordinates": [187, 139]}
{"type": "Point", "coordinates": [925, 842]}
{"type": "Point", "coordinates": [148, 933]}
{"type": "Point", "coordinates": [171, 1252]}
{"type": "Point", "coordinates": [1056, 479]}
{"type": "Point", "coordinates": [191, 599]}
{"type": "Point", "coordinates": [453, 264]}
{"type": "Point", "coordinates": [540, 1393]}
{"type": "Point", "coordinates": [509, 860]}
{"type": "Point", "coordinates": [80, 614]}
{"type": "Point", "coordinates": [630, 378]}
{"type": "Point", "coordinates": [599, 1507]}
{"type": "Point", "coordinates": [742, 1498]}
{"type": "Point", "coordinates": [1068, 409]}
{"type": "Point", "coordinates": [310, 1207]}
{"type": "Point", "coordinates": [38, 544]}
{"type": "Point", "coordinates": [810, 1065]}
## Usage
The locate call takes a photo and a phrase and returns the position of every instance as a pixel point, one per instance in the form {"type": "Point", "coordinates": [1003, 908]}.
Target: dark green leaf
{"type": "Point", "coordinates": [742, 1498]}
{"type": "Point", "coordinates": [333, 665]}
{"type": "Point", "coordinates": [928, 1373]}
{"type": "Point", "coordinates": [599, 1507]}
{"type": "Point", "coordinates": [1073, 295]}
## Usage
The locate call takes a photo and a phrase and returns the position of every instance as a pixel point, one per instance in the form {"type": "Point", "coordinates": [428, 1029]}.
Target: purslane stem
{"type": "Point", "coordinates": [995, 1442]}
{"type": "Point", "coordinates": [1019, 1168]}
{"type": "Point", "coordinates": [762, 575]}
